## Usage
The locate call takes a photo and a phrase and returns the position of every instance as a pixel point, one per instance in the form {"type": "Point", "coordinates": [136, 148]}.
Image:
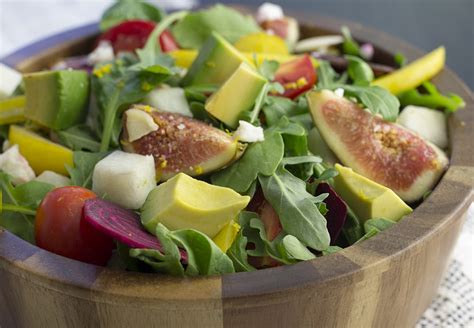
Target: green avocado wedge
{"type": "Point", "coordinates": [215, 63]}
{"type": "Point", "coordinates": [187, 203]}
{"type": "Point", "coordinates": [367, 198]}
{"type": "Point", "coordinates": [56, 99]}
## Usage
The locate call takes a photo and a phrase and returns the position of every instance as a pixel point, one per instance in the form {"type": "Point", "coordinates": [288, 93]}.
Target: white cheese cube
{"type": "Point", "coordinates": [10, 79]}
{"type": "Point", "coordinates": [103, 53]}
{"type": "Point", "coordinates": [57, 180]}
{"type": "Point", "coordinates": [124, 178]}
{"type": "Point", "coordinates": [172, 100]}
{"type": "Point", "coordinates": [15, 165]}
{"type": "Point", "coordinates": [430, 124]}
{"type": "Point", "coordinates": [247, 132]}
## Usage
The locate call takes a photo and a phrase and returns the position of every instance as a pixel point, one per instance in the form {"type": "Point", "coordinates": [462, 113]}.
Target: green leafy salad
{"type": "Point", "coordinates": [212, 142]}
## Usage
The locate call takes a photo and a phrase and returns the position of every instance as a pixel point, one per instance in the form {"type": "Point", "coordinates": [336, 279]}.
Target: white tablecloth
{"type": "Point", "coordinates": [24, 21]}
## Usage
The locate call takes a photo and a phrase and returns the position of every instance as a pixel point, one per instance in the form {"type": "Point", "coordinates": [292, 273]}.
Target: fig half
{"type": "Point", "coordinates": [379, 150]}
{"type": "Point", "coordinates": [178, 143]}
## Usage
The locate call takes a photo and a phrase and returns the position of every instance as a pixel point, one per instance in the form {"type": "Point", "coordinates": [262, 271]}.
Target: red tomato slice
{"type": "Point", "coordinates": [61, 229]}
{"type": "Point", "coordinates": [296, 76]}
{"type": "Point", "coordinates": [131, 35]}
{"type": "Point", "coordinates": [167, 42]}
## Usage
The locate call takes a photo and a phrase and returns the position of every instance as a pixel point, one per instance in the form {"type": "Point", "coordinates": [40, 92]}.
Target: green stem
{"type": "Point", "coordinates": [18, 209]}
{"type": "Point", "coordinates": [110, 113]}
{"type": "Point", "coordinates": [259, 103]}
{"type": "Point", "coordinates": [162, 26]}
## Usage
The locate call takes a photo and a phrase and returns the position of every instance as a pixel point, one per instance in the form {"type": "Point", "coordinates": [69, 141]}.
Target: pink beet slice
{"type": "Point", "coordinates": [121, 224]}
{"type": "Point", "coordinates": [337, 210]}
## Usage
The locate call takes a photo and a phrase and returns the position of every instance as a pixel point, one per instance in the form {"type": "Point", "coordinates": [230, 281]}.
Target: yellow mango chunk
{"type": "Point", "coordinates": [226, 236]}
{"type": "Point", "coordinates": [184, 58]}
{"type": "Point", "coordinates": [41, 154]}
{"type": "Point", "coordinates": [183, 202]}
{"type": "Point", "coordinates": [413, 74]}
{"type": "Point", "coordinates": [262, 43]}
{"type": "Point", "coordinates": [368, 199]}
{"type": "Point", "coordinates": [12, 110]}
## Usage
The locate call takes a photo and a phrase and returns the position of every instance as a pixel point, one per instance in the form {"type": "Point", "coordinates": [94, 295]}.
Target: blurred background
{"type": "Point", "coordinates": [424, 23]}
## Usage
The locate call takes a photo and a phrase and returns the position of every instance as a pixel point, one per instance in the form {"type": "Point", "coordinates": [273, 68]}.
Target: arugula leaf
{"type": "Point", "coordinates": [84, 163]}
{"type": "Point", "coordinates": [238, 254]}
{"type": "Point", "coordinates": [327, 77]}
{"type": "Point", "coordinates": [331, 250]}
{"type": "Point", "coordinates": [295, 249]}
{"type": "Point", "coordinates": [203, 254]}
{"type": "Point", "coordinates": [129, 9]}
{"type": "Point", "coordinates": [433, 99]}
{"type": "Point", "coordinates": [268, 69]}
{"type": "Point", "coordinates": [259, 158]}
{"type": "Point", "coordinates": [254, 229]}
{"type": "Point", "coordinates": [359, 71]}
{"type": "Point", "coordinates": [349, 46]}
{"type": "Point", "coordinates": [379, 224]}
{"type": "Point", "coordinates": [78, 137]}
{"type": "Point", "coordinates": [352, 230]}
{"type": "Point", "coordinates": [374, 226]}
{"type": "Point", "coordinates": [277, 107]}
{"type": "Point", "coordinates": [116, 85]}
{"type": "Point", "coordinates": [167, 262]}
{"type": "Point", "coordinates": [376, 99]}
{"type": "Point", "coordinates": [195, 28]}
{"type": "Point", "coordinates": [19, 205]}
{"type": "Point", "coordinates": [295, 207]}
{"type": "Point", "coordinates": [151, 53]}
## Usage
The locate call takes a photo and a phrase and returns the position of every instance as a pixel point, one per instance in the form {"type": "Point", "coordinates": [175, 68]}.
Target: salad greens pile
{"type": "Point", "coordinates": [272, 173]}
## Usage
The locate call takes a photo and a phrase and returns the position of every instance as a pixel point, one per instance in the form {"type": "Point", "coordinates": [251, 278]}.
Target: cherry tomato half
{"type": "Point", "coordinates": [133, 34]}
{"type": "Point", "coordinates": [59, 227]}
{"type": "Point", "coordinates": [296, 76]}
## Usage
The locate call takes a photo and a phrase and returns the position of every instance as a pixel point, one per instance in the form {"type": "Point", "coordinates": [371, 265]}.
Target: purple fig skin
{"type": "Point", "coordinates": [382, 151]}
{"type": "Point", "coordinates": [121, 224]}
{"type": "Point", "coordinates": [337, 210]}
{"type": "Point", "coordinates": [183, 144]}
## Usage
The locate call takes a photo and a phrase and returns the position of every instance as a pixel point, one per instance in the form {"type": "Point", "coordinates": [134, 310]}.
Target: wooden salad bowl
{"type": "Point", "coordinates": [387, 281]}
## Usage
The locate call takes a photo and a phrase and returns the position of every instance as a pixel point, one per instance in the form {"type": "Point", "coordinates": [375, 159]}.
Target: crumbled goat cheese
{"type": "Point", "coordinates": [247, 132]}
{"type": "Point", "coordinates": [268, 12]}
{"type": "Point", "coordinates": [339, 92]}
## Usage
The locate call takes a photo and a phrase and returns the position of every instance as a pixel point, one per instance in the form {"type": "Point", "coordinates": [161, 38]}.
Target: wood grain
{"type": "Point", "coordinates": [387, 281]}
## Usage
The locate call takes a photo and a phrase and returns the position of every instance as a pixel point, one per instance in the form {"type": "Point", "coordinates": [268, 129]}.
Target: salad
{"type": "Point", "coordinates": [211, 142]}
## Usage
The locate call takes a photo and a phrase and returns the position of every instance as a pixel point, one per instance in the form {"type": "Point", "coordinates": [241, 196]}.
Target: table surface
{"type": "Point", "coordinates": [424, 23]}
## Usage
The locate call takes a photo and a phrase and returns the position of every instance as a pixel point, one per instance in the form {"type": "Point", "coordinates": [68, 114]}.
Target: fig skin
{"type": "Point", "coordinates": [382, 151]}
{"type": "Point", "coordinates": [182, 144]}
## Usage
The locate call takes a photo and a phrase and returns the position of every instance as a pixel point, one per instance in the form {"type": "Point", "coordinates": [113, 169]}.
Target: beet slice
{"type": "Point", "coordinates": [337, 210]}
{"type": "Point", "coordinates": [121, 224]}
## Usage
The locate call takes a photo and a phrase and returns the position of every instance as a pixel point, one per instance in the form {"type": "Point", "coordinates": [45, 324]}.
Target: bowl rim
{"type": "Point", "coordinates": [404, 238]}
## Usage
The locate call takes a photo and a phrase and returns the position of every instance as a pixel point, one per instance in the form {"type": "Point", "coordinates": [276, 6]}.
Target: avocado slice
{"type": "Point", "coordinates": [56, 99]}
{"type": "Point", "coordinates": [183, 202]}
{"type": "Point", "coordinates": [236, 95]}
{"type": "Point", "coordinates": [216, 61]}
{"type": "Point", "coordinates": [368, 199]}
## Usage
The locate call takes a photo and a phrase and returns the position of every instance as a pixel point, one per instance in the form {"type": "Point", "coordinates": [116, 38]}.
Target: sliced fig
{"type": "Point", "coordinates": [178, 143]}
{"type": "Point", "coordinates": [379, 150]}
